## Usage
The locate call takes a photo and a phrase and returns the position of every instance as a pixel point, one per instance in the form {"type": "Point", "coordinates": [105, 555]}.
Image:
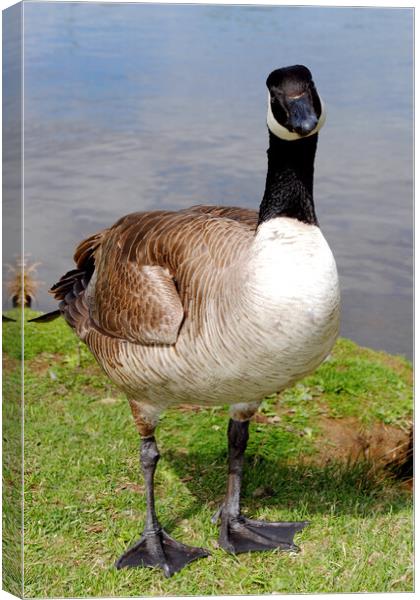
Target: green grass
{"type": "Point", "coordinates": [84, 501]}
{"type": "Point", "coordinates": [12, 467]}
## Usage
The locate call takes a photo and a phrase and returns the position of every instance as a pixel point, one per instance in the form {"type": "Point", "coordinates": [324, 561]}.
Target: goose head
{"type": "Point", "coordinates": [295, 109]}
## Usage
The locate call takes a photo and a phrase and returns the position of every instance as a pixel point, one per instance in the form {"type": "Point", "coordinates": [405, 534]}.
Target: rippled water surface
{"type": "Point", "coordinates": [131, 107]}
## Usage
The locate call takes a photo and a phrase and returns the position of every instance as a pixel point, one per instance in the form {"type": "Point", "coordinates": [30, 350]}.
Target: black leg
{"type": "Point", "coordinates": [237, 533]}
{"type": "Point", "coordinates": [155, 547]}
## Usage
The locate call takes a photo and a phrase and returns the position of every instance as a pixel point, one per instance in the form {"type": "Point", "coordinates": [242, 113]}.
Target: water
{"type": "Point", "coordinates": [131, 107]}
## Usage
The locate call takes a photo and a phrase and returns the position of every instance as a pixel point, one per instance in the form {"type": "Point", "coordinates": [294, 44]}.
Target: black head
{"type": "Point", "coordinates": [295, 109]}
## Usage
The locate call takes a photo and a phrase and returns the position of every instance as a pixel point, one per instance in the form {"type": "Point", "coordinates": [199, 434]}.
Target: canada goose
{"type": "Point", "coordinates": [214, 305]}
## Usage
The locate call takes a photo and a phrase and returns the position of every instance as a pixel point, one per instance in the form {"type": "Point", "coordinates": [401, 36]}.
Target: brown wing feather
{"type": "Point", "coordinates": [246, 216]}
{"type": "Point", "coordinates": [139, 279]}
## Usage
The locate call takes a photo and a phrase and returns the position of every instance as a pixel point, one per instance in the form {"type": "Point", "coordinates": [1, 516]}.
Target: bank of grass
{"type": "Point", "coordinates": [84, 501]}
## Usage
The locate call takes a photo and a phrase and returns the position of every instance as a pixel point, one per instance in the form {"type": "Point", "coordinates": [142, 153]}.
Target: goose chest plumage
{"type": "Point", "coordinates": [214, 305]}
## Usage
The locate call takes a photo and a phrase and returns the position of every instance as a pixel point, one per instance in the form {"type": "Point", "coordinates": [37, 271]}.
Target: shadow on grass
{"type": "Point", "coordinates": [305, 490]}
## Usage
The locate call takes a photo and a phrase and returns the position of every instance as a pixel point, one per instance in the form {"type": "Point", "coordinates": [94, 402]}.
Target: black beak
{"type": "Point", "coordinates": [302, 117]}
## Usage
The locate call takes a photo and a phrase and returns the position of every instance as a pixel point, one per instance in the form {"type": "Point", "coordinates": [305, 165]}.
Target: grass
{"type": "Point", "coordinates": [84, 501]}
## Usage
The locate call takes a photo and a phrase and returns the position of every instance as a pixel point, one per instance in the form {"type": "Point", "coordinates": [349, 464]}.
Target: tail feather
{"type": "Point", "coordinates": [69, 290]}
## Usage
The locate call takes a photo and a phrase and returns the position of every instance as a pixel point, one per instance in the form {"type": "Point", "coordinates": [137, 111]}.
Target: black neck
{"type": "Point", "coordinates": [290, 177]}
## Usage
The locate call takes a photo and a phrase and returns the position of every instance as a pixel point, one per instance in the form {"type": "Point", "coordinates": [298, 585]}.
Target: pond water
{"type": "Point", "coordinates": [131, 107]}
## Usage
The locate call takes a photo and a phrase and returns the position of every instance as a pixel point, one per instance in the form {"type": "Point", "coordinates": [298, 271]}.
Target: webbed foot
{"type": "Point", "coordinates": [158, 549]}
{"type": "Point", "coordinates": [239, 534]}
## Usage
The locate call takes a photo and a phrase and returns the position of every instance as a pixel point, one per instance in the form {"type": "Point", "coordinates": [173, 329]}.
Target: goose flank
{"type": "Point", "coordinates": [214, 305]}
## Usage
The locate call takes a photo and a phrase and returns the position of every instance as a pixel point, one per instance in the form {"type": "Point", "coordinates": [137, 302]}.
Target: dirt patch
{"type": "Point", "coordinates": [42, 363]}
{"type": "Point", "coordinates": [346, 440]}
{"type": "Point", "coordinates": [10, 363]}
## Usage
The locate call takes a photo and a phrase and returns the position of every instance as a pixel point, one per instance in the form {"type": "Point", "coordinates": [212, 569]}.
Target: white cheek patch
{"type": "Point", "coordinates": [284, 134]}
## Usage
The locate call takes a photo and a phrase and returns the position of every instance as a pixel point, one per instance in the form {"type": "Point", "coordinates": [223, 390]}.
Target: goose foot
{"type": "Point", "coordinates": [158, 549]}
{"type": "Point", "coordinates": [239, 534]}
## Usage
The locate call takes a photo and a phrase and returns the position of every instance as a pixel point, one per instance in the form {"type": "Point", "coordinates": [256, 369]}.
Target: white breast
{"type": "Point", "coordinates": [293, 296]}
{"type": "Point", "coordinates": [291, 259]}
